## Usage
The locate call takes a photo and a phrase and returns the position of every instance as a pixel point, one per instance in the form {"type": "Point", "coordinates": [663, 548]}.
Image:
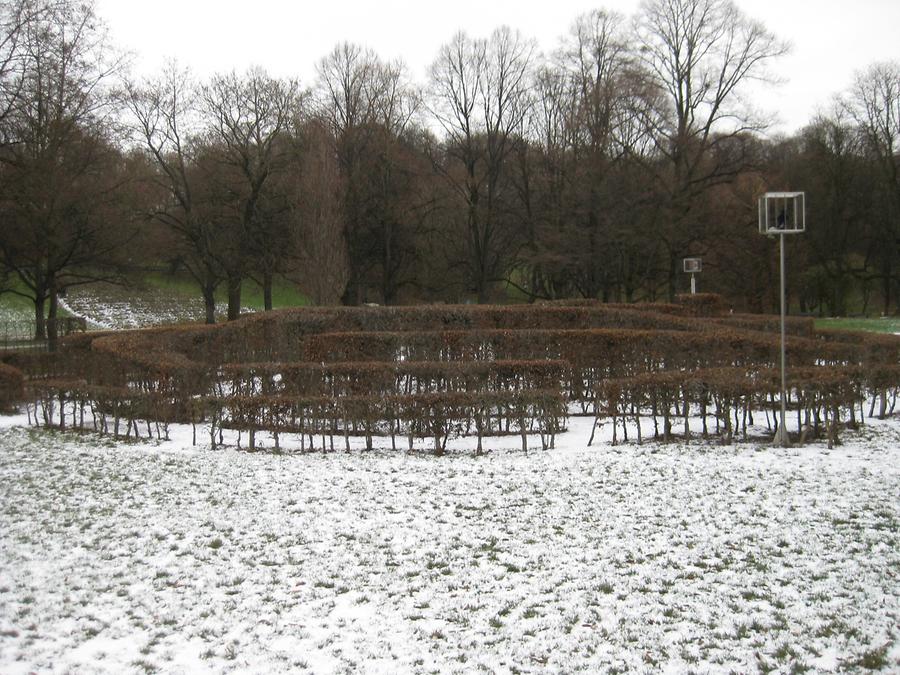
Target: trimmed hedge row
{"type": "Point", "coordinates": [12, 383]}
{"type": "Point", "coordinates": [611, 350]}
{"type": "Point", "coordinates": [389, 378]}
{"type": "Point", "coordinates": [793, 325]}
{"type": "Point", "coordinates": [818, 396]}
{"type": "Point", "coordinates": [73, 404]}
{"type": "Point", "coordinates": [442, 371]}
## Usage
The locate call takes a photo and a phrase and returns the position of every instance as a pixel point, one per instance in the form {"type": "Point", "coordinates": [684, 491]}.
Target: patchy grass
{"type": "Point", "coordinates": [14, 307]}
{"type": "Point", "coordinates": [284, 293]}
{"type": "Point", "coordinates": [890, 324]}
{"type": "Point", "coordinates": [162, 299]}
{"type": "Point", "coordinates": [673, 556]}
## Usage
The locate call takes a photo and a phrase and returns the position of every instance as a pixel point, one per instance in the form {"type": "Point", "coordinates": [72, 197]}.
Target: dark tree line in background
{"type": "Point", "coordinates": [507, 175]}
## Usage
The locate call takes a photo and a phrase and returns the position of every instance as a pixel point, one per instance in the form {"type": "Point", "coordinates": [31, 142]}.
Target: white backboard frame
{"type": "Point", "coordinates": [693, 265]}
{"type": "Point", "coordinates": [782, 213]}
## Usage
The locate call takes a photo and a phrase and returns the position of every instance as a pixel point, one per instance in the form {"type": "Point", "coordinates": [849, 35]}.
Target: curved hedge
{"type": "Point", "coordinates": [12, 386]}
{"type": "Point", "coordinates": [437, 372]}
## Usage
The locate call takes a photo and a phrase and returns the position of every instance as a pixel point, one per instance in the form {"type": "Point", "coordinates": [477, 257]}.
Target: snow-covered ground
{"type": "Point", "coordinates": [107, 307]}
{"type": "Point", "coordinates": [675, 557]}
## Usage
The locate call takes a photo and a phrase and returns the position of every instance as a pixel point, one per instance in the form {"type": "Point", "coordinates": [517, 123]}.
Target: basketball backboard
{"type": "Point", "coordinates": [782, 213]}
{"type": "Point", "coordinates": [693, 265]}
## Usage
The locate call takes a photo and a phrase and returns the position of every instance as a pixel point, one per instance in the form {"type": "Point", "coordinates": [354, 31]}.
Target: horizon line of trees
{"type": "Point", "coordinates": [588, 172]}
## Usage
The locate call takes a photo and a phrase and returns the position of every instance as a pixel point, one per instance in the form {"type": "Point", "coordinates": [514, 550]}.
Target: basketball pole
{"type": "Point", "coordinates": [783, 222]}
{"type": "Point", "coordinates": [782, 439]}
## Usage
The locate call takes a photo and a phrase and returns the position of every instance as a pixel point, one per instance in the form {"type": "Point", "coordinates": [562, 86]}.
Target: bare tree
{"type": "Point", "coordinates": [369, 104]}
{"type": "Point", "coordinates": [323, 268]}
{"type": "Point", "coordinates": [480, 95]}
{"type": "Point", "coordinates": [874, 105]}
{"type": "Point", "coordinates": [699, 53]}
{"type": "Point", "coordinates": [14, 17]}
{"type": "Point", "coordinates": [357, 90]}
{"type": "Point", "coordinates": [167, 123]}
{"type": "Point", "coordinates": [249, 117]}
{"type": "Point", "coordinates": [59, 159]}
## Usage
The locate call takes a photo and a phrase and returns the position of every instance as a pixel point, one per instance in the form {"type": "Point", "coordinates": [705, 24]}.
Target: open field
{"type": "Point", "coordinates": [163, 556]}
{"type": "Point", "coordinates": [680, 557]}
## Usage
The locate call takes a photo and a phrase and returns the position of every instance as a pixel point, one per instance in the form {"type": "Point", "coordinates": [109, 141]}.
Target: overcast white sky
{"type": "Point", "coordinates": [831, 38]}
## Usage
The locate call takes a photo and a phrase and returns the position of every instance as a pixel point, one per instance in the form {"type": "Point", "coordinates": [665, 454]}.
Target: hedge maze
{"type": "Point", "coordinates": [433, 373]}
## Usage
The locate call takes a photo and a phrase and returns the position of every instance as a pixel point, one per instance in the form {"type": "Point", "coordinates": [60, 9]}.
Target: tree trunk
{"type": "Point", "coordinates": [234, 295]}
{"type": "Point", "coordinates": [887, 290]}
{"type": "Point", "coordinates": [483, 297]}
{"type": "Point", "coordinates": [209, 302]}
{"type": "Point", "coordinates": [53, 317]}
{"type": "Point", "coordinates": [672, 278]}
{"type": "Point", "coordinates": [387, 292]}
{"type": "Point", "coordinates": [267, 291]}
{"type": "Point", "coordinates": [40, 323]}
{"type": "Point", "coordinates": [351, 295]}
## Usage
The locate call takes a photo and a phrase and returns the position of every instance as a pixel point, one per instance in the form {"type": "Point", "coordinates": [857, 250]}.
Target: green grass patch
{"type": "Point", "coordinates": [14, 307]}
{"type": "Point", "coordinates": [284, 293]}
{"type": "Point", "coordinates": [888, 324]}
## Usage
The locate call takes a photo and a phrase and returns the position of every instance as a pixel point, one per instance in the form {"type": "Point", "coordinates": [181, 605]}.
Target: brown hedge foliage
{"type": "Point", "coordinates": [12, 383]}
{"type": "Point", "coordinates": [701, 304]}
{"type": "Point", "coordinates": [798, 326]}
{"type": "Point", "coordinates": [443, 371]}
{"type": "Point", "coordinates": [612, 350]}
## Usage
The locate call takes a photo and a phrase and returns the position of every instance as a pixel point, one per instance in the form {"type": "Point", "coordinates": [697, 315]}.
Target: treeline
{"type": "Point", "coordinates": [586, 172]}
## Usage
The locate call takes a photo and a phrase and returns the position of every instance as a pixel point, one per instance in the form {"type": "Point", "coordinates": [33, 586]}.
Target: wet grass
{"type": "Point", "coordinates": [284, 294]}
{"type": "Point", "coordinates": [887, 324]}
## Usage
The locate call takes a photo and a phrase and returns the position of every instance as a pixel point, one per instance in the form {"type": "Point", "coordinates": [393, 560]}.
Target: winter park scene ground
{"type": "Point", "coordinates": [676, 557]}
{"type": "Point", "coordinates": [157, 555]}
{"type": "Point", "coordinates": [331, 346]}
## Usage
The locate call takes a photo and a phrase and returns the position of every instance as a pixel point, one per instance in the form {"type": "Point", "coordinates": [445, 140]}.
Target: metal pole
{"type": "Point", "coordinates": [693, 284]}
{"type": "Point", "coordinates": [783, 439]}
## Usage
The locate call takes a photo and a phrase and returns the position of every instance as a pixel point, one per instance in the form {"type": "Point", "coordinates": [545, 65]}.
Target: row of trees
{"type": "Point", "coordinates": [588, 172]}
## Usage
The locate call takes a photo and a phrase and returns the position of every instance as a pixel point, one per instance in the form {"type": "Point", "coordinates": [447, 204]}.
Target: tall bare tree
{"type": "Point", "coordinates": [14, 17]}
{"type": "Point", "coordinates": [59, 157]}
{"type": "Point", "coordinates": [700, 54]}
{"type": "Point", "coordinates": [167, 124]}
{"type": "Point", "coordinates": [369, 104]}
{"type": "Point", "coordinates": [249, 118]}
{"type": "Point", "coordinates": [480, 95]}
{"type": "Point", "coordinates": [323, 265]}
{"type": "Point", "coordinates": [874, 105]}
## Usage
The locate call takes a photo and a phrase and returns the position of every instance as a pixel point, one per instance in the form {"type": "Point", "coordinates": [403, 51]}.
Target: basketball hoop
{"type": "Point", "coordinates": [693, 266]}
{"type": "Point", "coordinates": [782, 213]}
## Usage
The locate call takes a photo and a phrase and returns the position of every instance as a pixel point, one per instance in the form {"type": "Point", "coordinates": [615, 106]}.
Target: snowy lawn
{"type": "Point", "coordinates": [146, 557]}
{"type": "Point", "coordinates": [105, 306]}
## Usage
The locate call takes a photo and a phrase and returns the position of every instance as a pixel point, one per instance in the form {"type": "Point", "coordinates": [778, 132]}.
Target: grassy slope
{"type": "Point", "coordinates": [284, 294]}
{"type": "Point", "coordinates": [16, 308]}
{"type": "Point", "coordinates": [880, 325]}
